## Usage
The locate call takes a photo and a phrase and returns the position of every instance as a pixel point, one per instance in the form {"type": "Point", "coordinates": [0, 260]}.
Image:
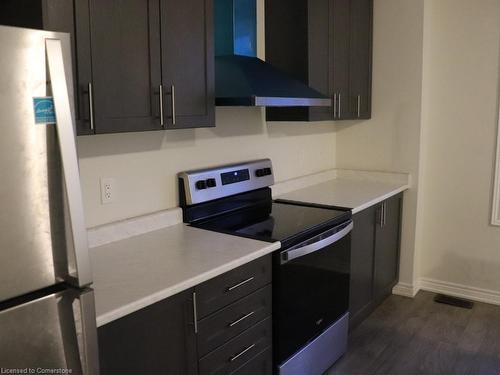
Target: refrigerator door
{"type": "Point", "coordinates": [55, 331]}
{"type": "Point", "coordinates": [43, 238]}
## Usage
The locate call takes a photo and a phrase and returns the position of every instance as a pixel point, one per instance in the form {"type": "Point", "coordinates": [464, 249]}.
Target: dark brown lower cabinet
{"type": "Point", "coordinates": [374, 256]}
{"type": "Point", "coordinates": [233, 335]}
{"type": "Point", "coordinates": [158, 339]}
{"type": "Point", "coordinates": [387, 244]}
{"type": "Point", "coordinates": [362, 254]}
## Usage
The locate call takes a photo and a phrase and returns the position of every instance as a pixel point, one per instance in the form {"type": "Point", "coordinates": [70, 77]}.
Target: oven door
{"type": "Point", "coordinates": [311, 282]}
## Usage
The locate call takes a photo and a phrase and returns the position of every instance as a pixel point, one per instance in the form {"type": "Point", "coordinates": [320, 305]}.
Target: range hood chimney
{"type": "Point", "coordinates": [242, 79]}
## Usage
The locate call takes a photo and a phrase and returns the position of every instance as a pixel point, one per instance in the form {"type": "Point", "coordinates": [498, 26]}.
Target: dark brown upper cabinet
{"type": "Point", "coordinates": [138, 64]}
{"type": "Point", "coordinates": [360, 62]}
{"type": "Point", "coordinates": [326, 44]}
{"type": "Point", "coordinates": [122, 78]}
{"type": "Point", "coordinates": [149, 67]}
{"type": "Point", "coordinates": [187, 63]}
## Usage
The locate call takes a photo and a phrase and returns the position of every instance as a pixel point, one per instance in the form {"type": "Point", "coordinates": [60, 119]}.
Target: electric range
{"type": "Point", "coordinates": [311, 271]}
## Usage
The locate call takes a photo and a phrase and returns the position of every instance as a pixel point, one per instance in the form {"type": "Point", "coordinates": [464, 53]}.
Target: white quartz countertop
{"type": "Point", "coordinates": [138, 271]}
{"type": "Point", "coordinates": [356, 194]}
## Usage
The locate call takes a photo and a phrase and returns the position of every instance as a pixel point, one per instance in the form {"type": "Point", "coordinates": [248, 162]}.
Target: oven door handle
{"type": "Point", "coordinates": [298, 252]}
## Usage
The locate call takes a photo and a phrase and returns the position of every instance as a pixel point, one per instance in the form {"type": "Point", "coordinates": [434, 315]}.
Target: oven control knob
{"type": "Point", "coordinates": [211, 183]}
{"type": "Point", "coordinates": [260, 172]}
{"type": "Point", "coordinates": [201, 184]}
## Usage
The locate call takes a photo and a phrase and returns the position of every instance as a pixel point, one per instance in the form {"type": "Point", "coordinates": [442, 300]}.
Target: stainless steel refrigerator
{"type": "Point", "coordinates": [47, 314]}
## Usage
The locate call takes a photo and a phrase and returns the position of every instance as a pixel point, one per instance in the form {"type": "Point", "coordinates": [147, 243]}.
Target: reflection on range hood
{"type": "Point", "coordinates": [242, 79]}
{"type": "Point", "coordinates": [249, 81]}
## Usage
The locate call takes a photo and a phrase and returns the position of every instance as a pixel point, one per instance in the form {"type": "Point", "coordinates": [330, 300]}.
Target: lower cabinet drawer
{"type": "Point", "coordinates": [238, 351]}
{"type": "Point", "coordinates": [232, 320]}
{"type": "Point", "coordinates": [261, 364]}
{"type": "Point", "coordinates": [229, 287]}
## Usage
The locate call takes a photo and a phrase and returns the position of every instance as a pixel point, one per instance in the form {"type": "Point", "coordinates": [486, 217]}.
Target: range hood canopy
{"type": "Point", "coordinates": [242, 79]}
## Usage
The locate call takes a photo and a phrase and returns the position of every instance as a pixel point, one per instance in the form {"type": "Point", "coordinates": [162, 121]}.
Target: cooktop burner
{"type": "Point", "coordinates": [276, 221]}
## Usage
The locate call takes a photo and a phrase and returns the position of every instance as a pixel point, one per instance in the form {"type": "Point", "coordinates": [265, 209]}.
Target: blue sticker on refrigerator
{"type": "Point", "coordinates": [44, 110]}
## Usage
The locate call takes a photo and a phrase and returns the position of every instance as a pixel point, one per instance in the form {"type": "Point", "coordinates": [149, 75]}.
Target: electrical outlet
{"type": "Point", "coordinates": [107, 190]}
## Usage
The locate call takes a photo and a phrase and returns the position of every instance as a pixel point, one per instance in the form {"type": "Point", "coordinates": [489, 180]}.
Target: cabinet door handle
{"type": "Point", "coordinates": [172, 92]}
{"type": "Point", "coordinates": [385, 213]}
{"type": "Point", "coordinates": [340, 108]}
{"type": "Point", "coordinates": [236, 356]}
{"type": "Point", "coordinates": [334, 105]}
{"type": "Point", "coordinates": [241, 319]}
{"type": "Point", "coordinates": [91, 106]}
{"type": "Point", "coordinates": [195, 313]}
{"type": "Point", "coordinates": [359, 105]}
{"type": "Point", "coordinates": [162, 121]}
{"type": "Point", "coordinates": [240, 284]}
{"type": "Point", "coordinates": [382, 215]}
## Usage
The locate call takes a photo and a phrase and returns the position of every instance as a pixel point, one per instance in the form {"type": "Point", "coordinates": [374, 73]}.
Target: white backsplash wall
{"type": "Point", "coordinates": [144, 165]}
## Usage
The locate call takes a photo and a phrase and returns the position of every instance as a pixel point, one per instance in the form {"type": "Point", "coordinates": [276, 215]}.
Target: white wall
{"type": "Point", "coordinates": [460, 114]}
{"type": "Point", "coordinates": [435, 113]}
{"type": "Point", "coordinates": [390, 141]}
{"type": "Point", "coordinates": [145, 165]}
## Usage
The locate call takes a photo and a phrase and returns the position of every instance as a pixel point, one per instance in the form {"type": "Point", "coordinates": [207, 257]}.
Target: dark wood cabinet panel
{"type": "Point", "coordinates": [387, 243]}
{"type": "Point", "coordinates": [320, 50]}
{"type": "Point", "coordinates": [362, 253]}
{"type": "Point", "coordinates": [229, 287]}
{"type": "Point", "coordinates": [298, 43]}
{"type": "Point", "coordinates": [232, 320]}
{"type": "Point", "coordinates": [188, 63]}
{"type": "Point", "coordinates": [124, 51]}
{"type": "Point", "coordinates": [340, 60]}
{"type": "Point", "coordinates": [374, 257]}
{"type": "Point", "coordinates": [326, 44]}
{"type": "Point", "coordinates": [158, 339]}
{"type": "Point", "coordinates": [125, 64]}
{"type": "Point", "coordinates": [360, 77]}
{"type": "Point", "coordinates": [262, 364]}
{"type": "Point", "coordinates": [235, 353]}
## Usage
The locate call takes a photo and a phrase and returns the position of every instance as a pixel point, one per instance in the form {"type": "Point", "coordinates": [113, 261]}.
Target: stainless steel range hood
{"type": "Point", "coordinates": [242, 79]}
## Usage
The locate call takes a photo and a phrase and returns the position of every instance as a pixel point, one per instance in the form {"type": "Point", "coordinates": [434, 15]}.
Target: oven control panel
{"type": "Point", "coordinates": [204, 185]}
{"type": "Point", "coordinates": [233, 177]}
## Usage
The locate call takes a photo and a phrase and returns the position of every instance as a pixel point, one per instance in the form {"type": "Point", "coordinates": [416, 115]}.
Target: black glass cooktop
{"type": "Point", "coordinates": [277, 221]}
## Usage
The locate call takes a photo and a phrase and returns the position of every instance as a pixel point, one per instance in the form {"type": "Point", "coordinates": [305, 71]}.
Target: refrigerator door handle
{"type": "Point", "coordinates": [89, 351]}
{"type": "Point", "coordinates": [78, 261]}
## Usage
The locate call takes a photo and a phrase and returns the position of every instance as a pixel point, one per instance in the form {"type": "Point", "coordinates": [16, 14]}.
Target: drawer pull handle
{"type": "Point", "coordinates": [241, 319]}
{"type": "Point", "coordinates": [195, 313]}
{"type": "Point", "coordinates": [236, 356]}
{"type": "Point", "coordinates": [240, 284]}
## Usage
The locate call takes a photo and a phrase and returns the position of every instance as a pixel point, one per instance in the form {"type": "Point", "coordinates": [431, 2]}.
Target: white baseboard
{"type": "Point", "coordinates": [405, 290]}
{"type": "Point", "coordinates": [461, 291]}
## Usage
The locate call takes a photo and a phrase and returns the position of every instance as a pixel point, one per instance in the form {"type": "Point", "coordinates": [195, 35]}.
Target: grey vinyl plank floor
{"type": "Point", "coordinates": [406, 336]}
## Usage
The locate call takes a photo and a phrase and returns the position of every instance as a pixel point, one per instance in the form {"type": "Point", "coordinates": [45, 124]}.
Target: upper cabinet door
{"type": "Point", "coordinates": [340, 57]}
{"type": "Point", "coordinates": [319, 48]}
{"type": "Point", "coordinates": [361, 58]}
{"type": "Point", "coordinates": [187, 63]}
{"type": "Point", "coordinates": [123, 94]}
